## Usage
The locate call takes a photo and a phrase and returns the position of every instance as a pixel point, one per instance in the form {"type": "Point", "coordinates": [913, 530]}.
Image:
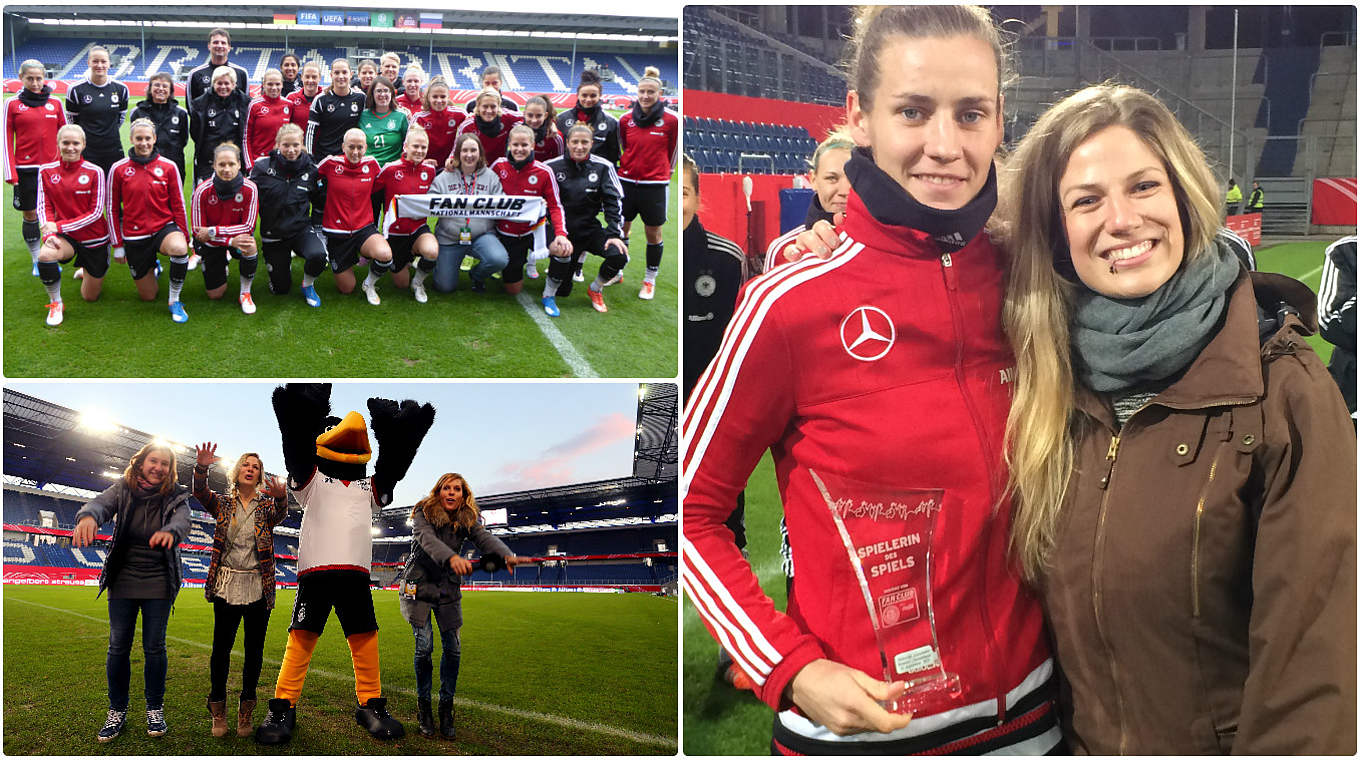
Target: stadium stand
{"type": "Point", "coordinates": [618, 534]}
{"type": "Point", "coordinates": [523, 71]}
{"type": "Point", "coordinates": [1289, 122]}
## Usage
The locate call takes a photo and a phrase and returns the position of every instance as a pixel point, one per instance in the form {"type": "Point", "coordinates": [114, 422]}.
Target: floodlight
{"type": "Point", "coordinates": [97, 422]}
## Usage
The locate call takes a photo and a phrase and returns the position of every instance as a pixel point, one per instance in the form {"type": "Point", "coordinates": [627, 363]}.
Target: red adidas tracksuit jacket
{"type": "Point", "coordinates": [885, 364]}
{"type": "Point", "coordinates": [401, 177]}
{"type": "Point", "coordinates": [74, 197]}
{"type": "Point", "coordinates": [442, 129]}
{"type": "Point", "coordinates": [31, 124]}
{"type": "Point", "coordinates": [492, 146]}
{"type": "Point", "coordinates": [263, 119]}
{"type": "Point", "coordinates": [143, 198]}
{"type": "Point", "coordinates": [227, 218]}
{"type": "Point", "coordinates": [345, 193]}
{"type": "Point", "coordinates": [534, 179]}
{"type": "Point", "coordinates": [648, 151]}
{"type": "Point", "coordinates": [301, 107]}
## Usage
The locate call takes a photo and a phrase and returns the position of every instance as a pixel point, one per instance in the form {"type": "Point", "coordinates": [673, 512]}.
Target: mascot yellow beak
{"type": "Point", "coordinates": [346, 442]}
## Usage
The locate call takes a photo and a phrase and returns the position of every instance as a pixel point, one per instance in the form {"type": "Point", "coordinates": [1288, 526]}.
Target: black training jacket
{"type": "Point", "coordinates": [285, 195]}
{"type": "Point", "coordinates": [587, 188]}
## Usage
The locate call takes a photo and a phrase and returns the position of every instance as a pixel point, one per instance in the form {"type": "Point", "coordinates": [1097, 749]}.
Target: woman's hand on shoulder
{"type": "Point", "coordinates": [845, 700]}
{"type": "Point", "coordinates": [820, 240]}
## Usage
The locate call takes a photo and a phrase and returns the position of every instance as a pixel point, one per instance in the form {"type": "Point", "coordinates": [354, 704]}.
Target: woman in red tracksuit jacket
{"type": "Point", "coordinates": [649, 136]}
{"type": "Point", "coordinates": [224, 210]}
{"type": "Point", "coordinates": [73, 218]}
{"type": "Point", "coordinates": [265, 115]}
{"type": "Point", "coordinates": [146, 211]}
{"type": "Point", "coordinates": [520, 174]}
{"type": "Point", "coordinates": [883, 365]}
{"type": "Point", "coordinates": [302, 97]}
{"type": "Point", "coordinates": [408, 238]}
{"type": "Point", "coordinates": [440, 122]}
{"type": "Point", "coordinates": [491, 124]}
{"type": "Point", "coordinates": [31, 123]}
{"type": "Point", "coordinates": [343, 206]}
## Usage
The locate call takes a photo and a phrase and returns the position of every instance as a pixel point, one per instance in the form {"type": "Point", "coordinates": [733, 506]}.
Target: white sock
{"type": "Point", "coordinates": [419, 277]}
{"type": "Point", "coordinates": [372, 279]}
{"type": "Point", "coordinates": [307, 280]}
{"type": "Point", "coordinates": [651, 274]}
{"type": "Point", "coordinates": [53, 291]}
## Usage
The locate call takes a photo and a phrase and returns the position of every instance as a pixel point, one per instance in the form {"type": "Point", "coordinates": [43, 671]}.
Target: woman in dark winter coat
{"type": "Point", "coordinates": [172, 122]}
{"type": "Point", "coordinates": [432, 582]}
{"type": "Point", "coordinates": [141, 573]}
{"type": "Point", "coordinates": [240, 582]}
{"type": "Point", "coordinates": [216, 117]}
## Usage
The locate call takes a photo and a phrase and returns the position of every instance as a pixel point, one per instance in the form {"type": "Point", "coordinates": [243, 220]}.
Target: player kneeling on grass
{"type": "Point", "coordinates": [146, 205]}
{"type": "Point", "coordinates": [224, 223]}
{"type": "Point", "coordinates": [520, 174]}
{"type": "Point", "coordinates": [432, 583]}
{"type": "Point", "coordinates": [588, 186]}
{"type": "Point", "coordinates": [344, 207]}
{"type": "Point", "coordinates": [409, 238]}
{"type": "Point", "coordinates": [70, 208]}
{"type": "Point", "coordinates": [286, 180]}
{"type": "Point", "coordinates": [141, 573]}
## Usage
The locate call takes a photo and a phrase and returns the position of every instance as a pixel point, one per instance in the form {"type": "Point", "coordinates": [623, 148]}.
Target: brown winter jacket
{"type": "Point", "coordinates": [1202, 589]}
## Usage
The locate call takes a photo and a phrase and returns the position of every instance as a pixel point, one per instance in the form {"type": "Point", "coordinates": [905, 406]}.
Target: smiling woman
{"type": "Point", "coordinates": [824, 363]}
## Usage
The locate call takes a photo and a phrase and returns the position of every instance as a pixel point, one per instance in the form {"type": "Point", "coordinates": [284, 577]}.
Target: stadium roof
{"type": "Point", "coordinates": [48, 444]}
{"type": "Point", "coordinates": [520, 29]}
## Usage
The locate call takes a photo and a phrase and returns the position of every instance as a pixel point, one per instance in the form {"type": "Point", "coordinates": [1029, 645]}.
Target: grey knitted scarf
{"type": "Point", "coordinates": [1122, 343]}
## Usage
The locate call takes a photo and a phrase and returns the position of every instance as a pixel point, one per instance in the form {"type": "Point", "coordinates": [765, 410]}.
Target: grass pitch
{"type": "Point", "coordinates": [454, 335]}
{"type": "Point", "coordinates": [541, 674]}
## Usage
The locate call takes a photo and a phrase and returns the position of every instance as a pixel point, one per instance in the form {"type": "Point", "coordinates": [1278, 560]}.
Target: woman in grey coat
{"type": "Point", "coordinates": [432, 583]}
{"type": "Point", "coordinates": [465, 173]}
{"type": "Point", "coordinates": [141, 574]}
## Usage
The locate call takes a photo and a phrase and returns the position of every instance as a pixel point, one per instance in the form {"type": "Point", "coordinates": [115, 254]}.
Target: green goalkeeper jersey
{"type": "Point", "coordinates": [385, 134]}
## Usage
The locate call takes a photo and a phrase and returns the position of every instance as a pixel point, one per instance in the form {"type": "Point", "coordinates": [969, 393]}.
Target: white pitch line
{"type": "Point", "coordinates": [578, 364]}
{"type": "Point", "coordinates": [558, 720]}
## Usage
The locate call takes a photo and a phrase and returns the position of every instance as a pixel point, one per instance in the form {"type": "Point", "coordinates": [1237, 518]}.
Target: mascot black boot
{"type": "Point", "coordinates": [327, 459]}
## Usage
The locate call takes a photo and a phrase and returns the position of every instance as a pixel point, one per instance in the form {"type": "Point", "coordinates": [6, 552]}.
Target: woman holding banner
{"type": "Point", "coordinates": [466, 173]}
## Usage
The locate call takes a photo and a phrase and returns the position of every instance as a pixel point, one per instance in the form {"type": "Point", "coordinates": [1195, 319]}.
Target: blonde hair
{"type": "Point", "coordinates": [876, 25]}
{"type": "Point", "coordinates": [289, 128]}
{"type": "Point", "coordinates": [232, 474]}
{"type": "Point", "coordinates": [68, 127]}
{"type": "Point", "coordinates": [431, 506]}
{"type": "Point", "coordinates": [438, 81]}
{"type": "Point", "coordinates": [33, 63]}
{"type": "Point", "coordinates": [489, 92]}
{"type": "Point", "coordinates": [135, 467]}
{"type": "Point", "coordinates": [224, 71]}
{"type": "Point", "coordinates": [271, 73]}
{"type": "Point", "coordinates": [142, 122]}
{"type": "Point", "coordinates": [837, 139]}
{"type": "Point", "coordinates": [1039, 430]}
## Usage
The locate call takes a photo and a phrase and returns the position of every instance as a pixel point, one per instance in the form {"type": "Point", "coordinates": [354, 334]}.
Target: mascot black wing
{"type": "Point", "coordinates": [399, 429]}
{"type": "Point", "coordinates": [302, 410]}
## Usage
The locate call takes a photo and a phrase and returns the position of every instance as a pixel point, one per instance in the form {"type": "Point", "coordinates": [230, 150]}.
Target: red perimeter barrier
{"type": "Point", "coordinates": [722, 206]}
{"type": "Point", "coordinates": [1334, 201]}
{"type": "Point", "coordinates": [817, 119]}
{"type": "Point", "coordinates": [1246, 225]}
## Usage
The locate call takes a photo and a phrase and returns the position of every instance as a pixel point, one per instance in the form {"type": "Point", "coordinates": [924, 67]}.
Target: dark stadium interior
{"type": "Point", "coordinates": [614, 533]}
{"type": "Point", "coordinates": [763, 85]}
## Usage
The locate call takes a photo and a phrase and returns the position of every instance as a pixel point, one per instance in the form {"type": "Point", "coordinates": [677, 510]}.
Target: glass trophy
{"type": "Point", "coordinates": [887, 536]}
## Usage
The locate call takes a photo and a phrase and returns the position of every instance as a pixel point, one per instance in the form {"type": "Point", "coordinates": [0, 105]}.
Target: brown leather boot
{"type": "Point", "coordinates": [245, 718]}
{"type": "Point", "coordinates": [218, 711]}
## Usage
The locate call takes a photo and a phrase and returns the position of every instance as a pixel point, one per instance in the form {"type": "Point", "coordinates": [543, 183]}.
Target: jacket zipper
{"type": "Point", "coordinates": [1097, 567]}
{"type": "Point", "coordinates": [952, 286]}
{"type": "Point", "coordinates": [1194, 545]}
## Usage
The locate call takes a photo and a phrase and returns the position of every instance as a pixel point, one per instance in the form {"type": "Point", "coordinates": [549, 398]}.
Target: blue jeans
{"type": "Point", "coordinates": [488, 251]}
{"type": "Point", "coordinates": [122, 624]}
{"type": "Point", "coordinates": [448, 661]}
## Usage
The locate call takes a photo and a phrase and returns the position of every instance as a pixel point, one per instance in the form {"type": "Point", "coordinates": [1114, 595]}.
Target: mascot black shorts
{"type": "Point", "coordinates": [346, 591]}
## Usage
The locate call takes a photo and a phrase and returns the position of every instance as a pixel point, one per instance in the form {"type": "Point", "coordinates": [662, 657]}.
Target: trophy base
{"type": "Point", "coordinates": [927, 694]}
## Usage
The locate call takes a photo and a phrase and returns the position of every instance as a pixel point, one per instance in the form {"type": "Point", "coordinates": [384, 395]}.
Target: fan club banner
{"type": "Point", "coordinates": [514, 208]}
{"type": "Point", "coordinates": [1334, 201]}
{"type": "Point", "coordinates": [1247, 227]}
